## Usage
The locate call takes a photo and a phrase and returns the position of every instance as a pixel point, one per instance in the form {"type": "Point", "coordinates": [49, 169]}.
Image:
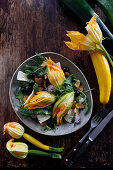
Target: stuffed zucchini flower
{"type": "Point", "coordinates": [14, 129]}
{"type": "Point", "coordinates": [62, 106]}
{"type": "Point", "coordinates": [55, 73]}
{"type": "Point", "coordinates": [40, 100]}
{"type": "Point", "coordinates": [17, 149]}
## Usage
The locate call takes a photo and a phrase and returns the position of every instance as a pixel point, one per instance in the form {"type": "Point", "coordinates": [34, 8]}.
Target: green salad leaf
{"type": "Point", "coordinates": [19, 95]}
{"type": "Point", "coordinates": [68, 86]}
{"type": "Point", "coordinates": [35, 87]}
{"type": "Point", "coordinates": [44, 111]}
{"type": "Point", "coordinates": [25, 111]}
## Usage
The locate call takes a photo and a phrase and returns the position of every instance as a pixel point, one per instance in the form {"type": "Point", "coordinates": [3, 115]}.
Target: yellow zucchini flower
{"type": "Point", "coordinates": [62, 106]}
{"type": "Point", "coordinates": [89, 42]}
{"type": "Point", "coordinates": [40, 100]}
{"type": "Point", "coordinates": [55, 73]}
{"type": "Point", "coordinates": [94, 31]}
{"type": "Point", "coordinates": [17, 149]}
{"type": "Point", "coordinates": [14, 129]}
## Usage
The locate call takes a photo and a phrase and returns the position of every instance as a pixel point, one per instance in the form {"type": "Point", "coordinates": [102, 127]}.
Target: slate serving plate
{"type": "Point", "coordinates": [64, 128]}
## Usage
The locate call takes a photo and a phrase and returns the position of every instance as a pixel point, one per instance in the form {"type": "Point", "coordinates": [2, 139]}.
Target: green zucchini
{"type": "Point", "coordinates": [42, 153]}
{"type": "Point", "coordinates": [84, 11]}
{"type": "Point", "coordinates": [107, 8]}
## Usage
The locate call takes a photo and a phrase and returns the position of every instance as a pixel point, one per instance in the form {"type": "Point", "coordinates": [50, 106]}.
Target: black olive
{"type": "Point", "coordinates": [29, 89]}
{"type": "Point", "coordinates": [65, 69]}
{"type": "Point", "coordinates": [77, 93]}
{"type": "Point", "coordinates": [31, 75]}
{"type": "Point", "coordinates": [23, 90]}
{"type": "Point", "coordinates": [50, 123]}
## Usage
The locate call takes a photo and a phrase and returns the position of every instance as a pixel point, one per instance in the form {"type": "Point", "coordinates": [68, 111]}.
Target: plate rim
{"type": "Point", "coordinates": [54, 53]}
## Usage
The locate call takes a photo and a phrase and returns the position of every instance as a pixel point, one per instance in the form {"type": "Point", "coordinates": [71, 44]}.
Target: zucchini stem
{"type": "Point", "coordinates": [42, 153]}
{"type": "Point", "coordinates": [55, 149]}
{"type": "Point", "coordinates": [107, 54]}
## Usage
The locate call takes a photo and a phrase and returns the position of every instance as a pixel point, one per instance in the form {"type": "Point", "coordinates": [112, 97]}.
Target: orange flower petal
{"type": "Point", "coordinates": [37, 106]}
{"type": "Point", "coordinates": [61, 111]}
{"type": "Point", "coordinates": [74, 46]}
{"type": "Point", "coordinates": [79, 41]}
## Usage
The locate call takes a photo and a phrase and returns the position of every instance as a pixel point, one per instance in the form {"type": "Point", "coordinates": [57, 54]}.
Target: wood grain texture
{"type": "Point", "coordinates": [38, 25]}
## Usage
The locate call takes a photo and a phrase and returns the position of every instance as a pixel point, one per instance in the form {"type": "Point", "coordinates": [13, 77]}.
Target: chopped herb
{"type": "Point", "coordinates": [45, 85]}
{"type": "Point", "coordinates": [86, 106]}
{"type": "Point", "coordinates": [35, 87]}
{"type": "Point", "coordinates": [46, 128]}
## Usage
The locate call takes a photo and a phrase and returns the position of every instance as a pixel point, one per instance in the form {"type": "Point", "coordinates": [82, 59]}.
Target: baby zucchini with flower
{"type": "Point", "coordinates": [92, 42]}
{"type": "Point", "coordinates": [16, 131]}
{"type": "Point", "coordinates": [20, 150]}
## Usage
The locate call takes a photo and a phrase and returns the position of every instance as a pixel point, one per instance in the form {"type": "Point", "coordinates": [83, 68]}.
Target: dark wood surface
{"type": "Point", "coordinates": [40, 25]}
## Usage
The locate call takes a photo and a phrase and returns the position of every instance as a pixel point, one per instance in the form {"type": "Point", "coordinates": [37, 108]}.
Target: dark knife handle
{"type": "Point", "coordinates": [81, 150]}
{"type": "Point", "coordinates": [71, 153]}
{"type": "Point", "coordinates": [70, 161]}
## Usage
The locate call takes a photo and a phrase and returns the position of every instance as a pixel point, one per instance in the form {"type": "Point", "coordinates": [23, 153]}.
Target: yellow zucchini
{"type": "Point", "coordinates": [103, 74]}
{"type": "Point", "coordinates": [35, 142]}
{"type": "Point", "coordinates": [41, 145]}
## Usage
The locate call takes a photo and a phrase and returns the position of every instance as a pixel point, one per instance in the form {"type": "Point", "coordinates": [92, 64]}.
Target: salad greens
{"type": "Point", "coordinates": [36, 68]}
{"type": "Point", "coordinates": [68, 85]}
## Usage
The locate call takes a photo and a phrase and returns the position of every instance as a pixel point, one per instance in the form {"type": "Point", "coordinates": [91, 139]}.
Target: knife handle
{"type": "Point", "coordinates": [81, 150]}
{"type": "Point", "coordinates": [69, 160]}
{"type": "Point", "coordinates": [73, 151]}
{"type": "Point", "coordinates": [70, 154]}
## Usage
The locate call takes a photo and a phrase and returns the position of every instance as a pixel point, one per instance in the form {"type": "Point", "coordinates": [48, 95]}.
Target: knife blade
{"type": "Point", "coordinates": [91, 138]}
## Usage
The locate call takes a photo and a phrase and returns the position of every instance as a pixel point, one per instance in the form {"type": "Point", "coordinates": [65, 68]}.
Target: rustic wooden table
{"type": "Point", "coordinates": [37, 25]}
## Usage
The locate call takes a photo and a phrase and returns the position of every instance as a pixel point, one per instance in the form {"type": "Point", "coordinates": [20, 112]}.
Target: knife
{"type": "Point", "coordinates": [91, 138]}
